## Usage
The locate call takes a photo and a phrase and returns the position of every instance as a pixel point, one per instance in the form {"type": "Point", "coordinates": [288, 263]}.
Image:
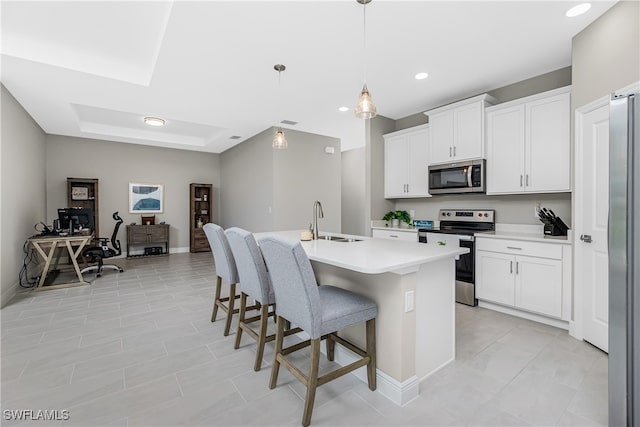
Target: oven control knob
{"type": "Point", "coordinates": [479, 214]}
{"type": "Point", "coordinates": [444, 213]}
{"type": "Point", "coordinates": [486, 215]}
{"type": "Point", "coordinates": [448, 213]}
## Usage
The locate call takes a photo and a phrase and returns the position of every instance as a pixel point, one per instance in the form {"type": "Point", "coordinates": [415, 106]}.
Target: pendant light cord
{"type": "Point", "coordinates": [364, 43]}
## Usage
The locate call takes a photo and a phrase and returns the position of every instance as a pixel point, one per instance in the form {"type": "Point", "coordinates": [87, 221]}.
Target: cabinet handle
{"type": "Point", "coordinates": [520, 180]}
{"type": "Point", "coordinates": [407, 188]}
{"type": "Point", "coordinates": [517, 263]}
{"type": "Point", "coordinates": [454, 151]}
{"type": "Point", "coordinates": [527, 180]}
{"type": "Point", "coordinates": [393, 235]}
{"type": "Point", "coordinates": [449, 151]}
{"type": "Point", "coordinates": [513, 247]}
{"type": "Point", "coordinates": [510, 267]}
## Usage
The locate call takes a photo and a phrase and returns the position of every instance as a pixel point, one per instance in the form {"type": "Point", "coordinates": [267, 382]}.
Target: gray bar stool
{"type": "Point", "coordinates": [318, 310]}
{"type": "Point", "coordinates": [225, 269]}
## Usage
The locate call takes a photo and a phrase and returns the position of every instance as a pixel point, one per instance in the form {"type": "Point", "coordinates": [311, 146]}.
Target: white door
{"type": "Point", "coordinates": [539, 285]}
{"type": "Point", "coordinates": [395, 160]}
{"type": "Point", "coordinates": [505, 150]}
{"type": "Point", "coordinates": [592, 208]}
{"type": "Point", "coordinates": [441, 137]}
{"type": "Point", "coordinates": [495, 277]}
{"type": "Point", "coordinates": [468, 132]}
{"type": "Point", "coordinates": [548, 146]}
{"type": "Point", "coordinates": [418, 161]}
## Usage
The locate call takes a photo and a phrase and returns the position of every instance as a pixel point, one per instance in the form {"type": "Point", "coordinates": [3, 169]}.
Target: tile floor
{"type": "Point", "coordinates": [138, 349]}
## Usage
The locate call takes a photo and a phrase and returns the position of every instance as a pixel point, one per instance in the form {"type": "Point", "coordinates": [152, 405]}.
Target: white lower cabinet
{"type": "Point", "coordinates": [409, 236]}
{"type": "Point", "coordinates": [524, 275]}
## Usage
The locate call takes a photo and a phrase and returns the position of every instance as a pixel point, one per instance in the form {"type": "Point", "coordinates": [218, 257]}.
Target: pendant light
{"type": "Point", "coordinates": [279, 141]}
{"type": "Point", "coordinates": [365, 109]}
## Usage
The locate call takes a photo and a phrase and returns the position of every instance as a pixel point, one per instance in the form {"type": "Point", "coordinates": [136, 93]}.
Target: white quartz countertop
{"type": "Point", "coordinates": [401, 229]}
{"type": "Point", "coordinates": [372, 256]}
{"type": "Point", "coordinates": [530, 237]}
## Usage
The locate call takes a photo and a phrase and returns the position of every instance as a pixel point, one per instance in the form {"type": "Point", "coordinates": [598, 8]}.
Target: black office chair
{"type": "Point", "coordinates": [97, 254]}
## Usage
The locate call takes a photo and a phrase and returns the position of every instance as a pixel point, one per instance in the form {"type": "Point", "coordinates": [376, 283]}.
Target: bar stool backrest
{"type": "Point", "coordinates": [252, 272]}
{"type": "Point", "coordinates": [222, 255]}
{"type": "Point", "coordinates": [294, 284]}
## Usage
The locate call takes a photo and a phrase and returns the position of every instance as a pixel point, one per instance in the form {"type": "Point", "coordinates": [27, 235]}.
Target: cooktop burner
{"type": "Point", "coordinates": [466, 222]}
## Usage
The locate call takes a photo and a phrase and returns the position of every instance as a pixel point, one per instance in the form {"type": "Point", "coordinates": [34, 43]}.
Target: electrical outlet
{"type": "Point", "coordinates": [536, 208]}
{"type": "Point", "coordinates": [412, 213]}
{"type": "Point", "coordinates": [409, 301]}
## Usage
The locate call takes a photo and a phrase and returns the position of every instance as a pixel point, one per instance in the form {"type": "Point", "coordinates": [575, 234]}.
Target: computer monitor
{"type": "Point", "coordinates": [79, 218]}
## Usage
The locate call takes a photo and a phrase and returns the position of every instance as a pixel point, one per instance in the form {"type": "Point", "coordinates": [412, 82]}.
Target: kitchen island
{"type": "Point", "coordinates": [414, 286]}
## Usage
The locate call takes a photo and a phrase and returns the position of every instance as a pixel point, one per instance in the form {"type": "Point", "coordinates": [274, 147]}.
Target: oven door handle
{"type": "Point", "coordinates": [469, 172]}
{"type": "Point", "coordinates": [466, 238]}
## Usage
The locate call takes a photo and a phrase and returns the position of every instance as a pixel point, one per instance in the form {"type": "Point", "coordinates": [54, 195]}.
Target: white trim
{"type": "Point", "coordinates": [399, 392]}
{"type": "Point", "coordinates": [488, 99]}
{"type": "Point", "coordinates": [525, 315]}
{"type": "Point", "coordinates": [530, 98]}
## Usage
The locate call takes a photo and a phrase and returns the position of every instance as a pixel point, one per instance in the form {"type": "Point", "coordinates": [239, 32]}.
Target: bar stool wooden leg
{"type": "Point", "coordinates": [262, 336]}
{"type": "Point", "coordinates": [241, 317]}
{"type": "Point", "coordinates": [371, 352]}
{"type": "Point", "coordinates": [276, 363]}
{"type": "Point", "coordinates": [331, 345]}
{"type": "Point", "coordinates": [216, 298]}
{"type": "Point", "coordinates": [232, 300]}
{"type": "Point", "coordinates": [312, 383]}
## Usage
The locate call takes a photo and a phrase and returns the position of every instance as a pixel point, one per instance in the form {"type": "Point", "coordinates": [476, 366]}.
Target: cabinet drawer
{"type": "Point", "coordinates": [158, 233]}
{"type": "Point", "coordinates": [518, 247]}
{"type": "Point", "coordinates": [408, 236]}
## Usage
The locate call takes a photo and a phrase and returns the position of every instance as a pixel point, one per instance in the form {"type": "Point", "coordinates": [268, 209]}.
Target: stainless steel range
{"type": "Point", "coordinates": [458, 228]}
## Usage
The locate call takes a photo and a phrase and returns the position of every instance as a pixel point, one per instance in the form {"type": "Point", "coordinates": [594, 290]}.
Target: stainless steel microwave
{"type": "Point", "coordinates": [458, 177]}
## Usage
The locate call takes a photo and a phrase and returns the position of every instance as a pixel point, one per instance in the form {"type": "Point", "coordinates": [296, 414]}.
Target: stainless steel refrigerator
{"type": "Point", "coordinates": [624, 260]}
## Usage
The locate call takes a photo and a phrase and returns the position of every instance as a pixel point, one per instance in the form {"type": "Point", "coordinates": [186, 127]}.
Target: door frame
{"type": "Point", "coordinates": [577, 322]}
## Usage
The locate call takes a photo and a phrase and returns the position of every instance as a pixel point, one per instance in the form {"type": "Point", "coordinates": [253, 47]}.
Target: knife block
{"type": "Point", "coordinates": [554, 230]}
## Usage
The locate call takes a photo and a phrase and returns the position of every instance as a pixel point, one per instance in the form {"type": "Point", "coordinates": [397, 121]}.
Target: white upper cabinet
{"type": "Point", "coordinates": [406, 163]}
{"type": "Point", "coordinates": [457, 130]}
{"type": "Point", "coordinates": [528, 144]}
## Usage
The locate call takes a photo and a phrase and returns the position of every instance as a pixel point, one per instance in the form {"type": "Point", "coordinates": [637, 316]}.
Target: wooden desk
{"type": "Point", "coordinates": [46, 246]}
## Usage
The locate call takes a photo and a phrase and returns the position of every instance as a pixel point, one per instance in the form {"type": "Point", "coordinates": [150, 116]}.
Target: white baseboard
{"type": "Point", "coordinates": [562, 324]}
{"type": "Point", "coordinates": [399, 392]}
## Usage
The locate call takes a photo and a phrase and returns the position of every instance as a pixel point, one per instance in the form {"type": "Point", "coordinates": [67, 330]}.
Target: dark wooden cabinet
{"type": "Point", "coordinates": [83, 193]}
{"type": "Point", "coordinates": [200, 213]}
{"type": "Point", "coordinates": [153, 238]}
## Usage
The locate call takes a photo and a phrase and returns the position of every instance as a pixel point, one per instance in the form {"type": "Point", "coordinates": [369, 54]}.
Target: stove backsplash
{"type": "Point", "coordinates": [510, 209]}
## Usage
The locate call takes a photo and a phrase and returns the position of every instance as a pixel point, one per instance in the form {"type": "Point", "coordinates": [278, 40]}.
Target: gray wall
{"type": "Point", "coordinates": [512, 209]}
{"type": "Point", "coordinates": [22, 183]}
{"type": "Point", "coordinates": [353, 192]}
{"type": "Point", "coordinates": [246, 198]}
{"type": "Point", "coordinates": [266, 189]}
{"type": "Point", "coordinates": [117, 164]}
{"type": "Point", "coordinates": [606, 54]}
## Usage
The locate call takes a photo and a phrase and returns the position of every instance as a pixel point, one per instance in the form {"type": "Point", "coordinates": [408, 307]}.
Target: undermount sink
{"type": "Point", "coordinates": [339, 239]}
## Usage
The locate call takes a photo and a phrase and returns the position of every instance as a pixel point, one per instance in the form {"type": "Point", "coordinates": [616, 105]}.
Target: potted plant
{"type": "Point", "coordinates": [396, 216]}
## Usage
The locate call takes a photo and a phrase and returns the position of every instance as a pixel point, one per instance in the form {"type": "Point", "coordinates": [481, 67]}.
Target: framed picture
{"type": "Point", "coordinates": [79, 193]}
{"type": "Point", "coordinates": [145, 198]}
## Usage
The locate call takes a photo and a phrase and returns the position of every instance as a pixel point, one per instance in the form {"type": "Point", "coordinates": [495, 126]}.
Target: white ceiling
{"type": "Point", "coordinates": [96, 68]}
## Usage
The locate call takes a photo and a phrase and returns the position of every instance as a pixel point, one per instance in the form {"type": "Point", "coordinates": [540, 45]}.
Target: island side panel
{"type": "Point", "coordinates": [435, 317]}
{"type": "Point", "coordinates": [395, 329]}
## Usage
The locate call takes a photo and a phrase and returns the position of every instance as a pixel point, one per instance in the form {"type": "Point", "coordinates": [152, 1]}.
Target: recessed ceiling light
{"type": "Point", "coordinates": [578, 10]}
{"type": "Point", "coordinates": [154, 121]}
{"type": "Point", "coordinates": [343, 109]}
{"type": "Point", "coordinates": [421, 76]}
